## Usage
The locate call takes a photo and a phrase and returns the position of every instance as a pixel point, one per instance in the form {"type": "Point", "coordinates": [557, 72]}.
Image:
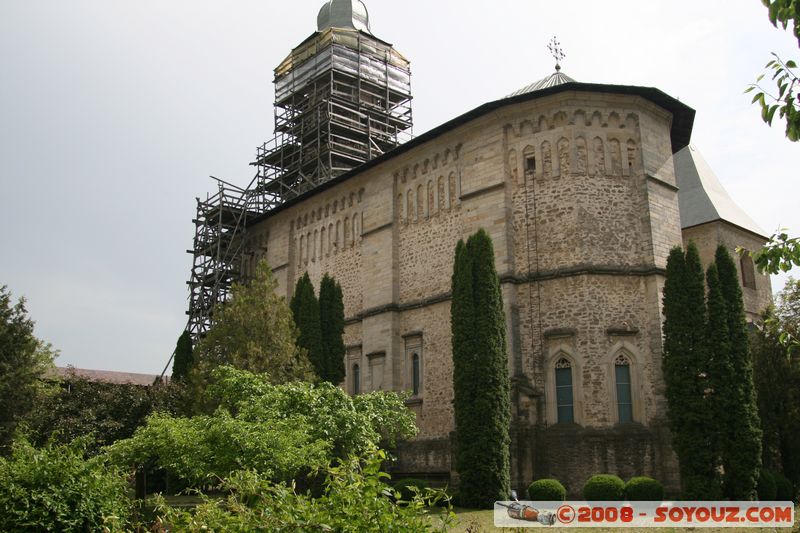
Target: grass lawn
{"type": "Point", "coordinates": [472, 521]}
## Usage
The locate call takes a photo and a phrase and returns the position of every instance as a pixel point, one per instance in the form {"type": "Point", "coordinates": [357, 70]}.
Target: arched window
{"type": "Point", "coordinates": [622, 379]}
{"type": "Point", "coordinates": [564, 405]}
{"type": "Point", "coordinates": [356, 379]}
{"type": "Point", "coordinates": [415, 375]}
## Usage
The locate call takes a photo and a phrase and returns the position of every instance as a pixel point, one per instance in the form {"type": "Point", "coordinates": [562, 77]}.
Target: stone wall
{"type": "Point", "coordinates": [758, 295]}
{"type": "Point", "coordinates": [578, 194]}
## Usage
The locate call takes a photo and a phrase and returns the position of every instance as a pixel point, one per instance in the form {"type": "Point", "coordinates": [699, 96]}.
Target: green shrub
{"type": "Point", "coordinates": [55, 488]}
{"type": "Point", "coordinates": [354, 501]}
{"type": "Point", "coordinates": [604, 487]}
{"type": "Point", "coordinates": [281, 431]}
{"type": "Point", "coordinates": [784, 488]}
{"type": "Point", "coordinates": [547, 490]}
{"type": "Point", "coordinates": [766, 488]}
{"type": "Point", "coordinates": [644, 489]}
{"type": "Point", "coordinates": [403, 486]}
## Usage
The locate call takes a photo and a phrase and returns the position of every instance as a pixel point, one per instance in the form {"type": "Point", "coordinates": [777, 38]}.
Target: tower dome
{"type": "Point", "coordinates": [343, 14]}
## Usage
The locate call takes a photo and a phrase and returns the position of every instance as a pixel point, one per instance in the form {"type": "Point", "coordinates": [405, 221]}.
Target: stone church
{"type": "Point", "coordinates": [584, 189]}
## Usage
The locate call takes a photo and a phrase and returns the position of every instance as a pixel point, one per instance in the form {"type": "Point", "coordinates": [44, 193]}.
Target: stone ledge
{"type": "Point", "coordinates": [557, 333]}
{"type": "Point", "coordinates": [622, 331]}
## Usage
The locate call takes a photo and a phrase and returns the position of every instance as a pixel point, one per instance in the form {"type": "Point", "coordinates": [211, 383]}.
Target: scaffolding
{"type": "Point", "coordinates": [342, 97]}
{"type": "Point", "coordinates": [218, 249]}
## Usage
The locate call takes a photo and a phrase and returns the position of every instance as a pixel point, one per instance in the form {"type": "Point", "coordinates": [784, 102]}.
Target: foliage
{"type": "Point", "coordinates": [356, 499]}
{"type": "Point", "coordinates": [547, 490]}
{"type": "Point", "coordinates": [767, 488]}
{"type": "Point", "coordinates": [480, 375]}
{"type": "Point", "coordinates": [280, 431]}
{"type": "Point", "coordinates": [331, 312]}
{"type": "Point", "coordinates": [781, 12]}
{"type": "Point", "coordinates": [784, 488]}
{"type": "Point", "coordinates": [23, 361]}
{"type": "Point", "coordinates": [787, 315]}
{"type": "Point", "coordinates": [101, 412]}
{"type": "Point", "coordinates": [779, 254]}
{"type": "Point", "coordinates": [203, 449]}
{"type": "Point", "coordinates": [644, 489]}
{"type": "Point", "coordinates": [685, 366]}
{"type": "Point", "coordinates": [741, 444]}
{"type": "Point", "coordinates": [305, 310]}
{"type": "Point", "coordinates": [785, 102]}
{"type": "Point", "coordinates": [408, 487]}
{"type": "Point", "coordinates": [777, 381]}
{"type": "Point", "coordinates": [720, 380]}
{"type": "Point", "coordinates": [253, 331]}
{"type": "Point", "coordinates": [184, 358]}
{"type": "Point", "coordinates": [55, 489]}
{"type": "Point", "coordinates": [604, 487]}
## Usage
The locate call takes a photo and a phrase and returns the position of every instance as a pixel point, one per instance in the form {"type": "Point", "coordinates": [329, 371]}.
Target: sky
{"type": "Point", "coordinates": [114, 113]}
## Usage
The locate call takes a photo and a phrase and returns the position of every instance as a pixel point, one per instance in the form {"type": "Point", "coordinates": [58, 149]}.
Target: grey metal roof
{"type": "Point", "coordinates": [343, 14]}
{"type": "Point", "coordinates": [556, 78]}
{"type": "Point", "coordinates": [701, 196]}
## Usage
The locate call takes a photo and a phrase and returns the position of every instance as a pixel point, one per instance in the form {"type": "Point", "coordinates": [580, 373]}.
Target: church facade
{"type": "Point", "coordinates": [584, 189]}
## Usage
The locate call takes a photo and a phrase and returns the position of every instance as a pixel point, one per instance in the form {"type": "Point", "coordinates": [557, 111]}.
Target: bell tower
{"type": "Point", "coordinates": [342, 97]}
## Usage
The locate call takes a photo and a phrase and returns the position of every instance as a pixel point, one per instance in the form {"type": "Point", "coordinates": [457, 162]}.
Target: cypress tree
{"type": "Point", "coordinates": [305, 310]}
{"type": "Point", "coordinates": [184, 358]}
{"type": "Point", "coordinates": [462, 325]}
{"type": "Point", "coordinates": [331, 312]}
{"type": "Point", "coordinates": [685, 364]}
{"type": "Point", "coordinates": [741, 451]}
{"type": "Point", "coordinates": [480, 375]}
{"type": "Point", "coordinates": [719, 370]}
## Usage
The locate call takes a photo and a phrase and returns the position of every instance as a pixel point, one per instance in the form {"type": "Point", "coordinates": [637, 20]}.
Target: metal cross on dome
{"type": "Point", "coordinates": [556, 51]}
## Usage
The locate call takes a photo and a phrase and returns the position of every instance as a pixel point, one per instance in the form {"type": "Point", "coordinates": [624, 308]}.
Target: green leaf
{"type": "Point", "coordinates": [791, 64]}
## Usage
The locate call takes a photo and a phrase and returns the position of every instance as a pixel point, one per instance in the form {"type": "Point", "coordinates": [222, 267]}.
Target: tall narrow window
{"type": "Point", "coordinates": [622, 377]}
{"type": "Point", "coordinates": [415, 377]}
{"type": "Point", "coordinates": [564, 404]}
{"type": "Point", "coordinates": [356, 379]}
{"type": "Point", "coordinates": [413, 363]}
{"type": "Point", "coordinates": [748, 272]}
{"type": "Point", "coordinates": [530, 164]}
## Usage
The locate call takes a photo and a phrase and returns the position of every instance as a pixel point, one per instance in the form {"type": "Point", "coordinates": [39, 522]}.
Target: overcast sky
{"type": "Point", "coordinates": [113, 114]}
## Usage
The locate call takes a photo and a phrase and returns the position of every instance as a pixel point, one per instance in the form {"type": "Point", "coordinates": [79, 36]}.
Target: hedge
{"type": "Point", "coordinates": [604, 487]}
{"type": "Point", "coordinates": [644, 489]}
{"type": "Point", "coordinates": [547, 490]}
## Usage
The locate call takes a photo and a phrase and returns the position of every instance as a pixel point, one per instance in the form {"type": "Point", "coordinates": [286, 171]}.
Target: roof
{"type": "Point", "coordinates": [702, 197]}
{"type": "Point", "coordinates": [104, 376]}
{"type": "Point", "coordinates": [343, 14]}
{"type": "Point", "coordinates": [681, 132]}
{"type": "Point", "coordinates": [556, 78]}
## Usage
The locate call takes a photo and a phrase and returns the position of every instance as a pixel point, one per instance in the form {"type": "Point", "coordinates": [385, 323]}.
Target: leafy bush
{"type": "Point", "coordinates": [644, 489]}
{"type": "Point", "coordinates": [107, 411]}
{"type": "Point", "coordinates": [766, 487]}
{"type": "Point", "coordinates": [543, 490]}
{"type": "Point", "coordinates": [356, 499]}
{"type": "Point", "coordinates": [202, 449]}
{"type": "Point", "coordinates": [604, 487]}
{"type": "Point", "coordinates": [784, 488]}
{"type": "Point", "coordinates": [700, 488]}
{"type": "Point", "coordinates": [280, 431]}
{"type": "Point", "coordinates": [404, 487]}
{"type": "Point", "coordinates": [55, 489]}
